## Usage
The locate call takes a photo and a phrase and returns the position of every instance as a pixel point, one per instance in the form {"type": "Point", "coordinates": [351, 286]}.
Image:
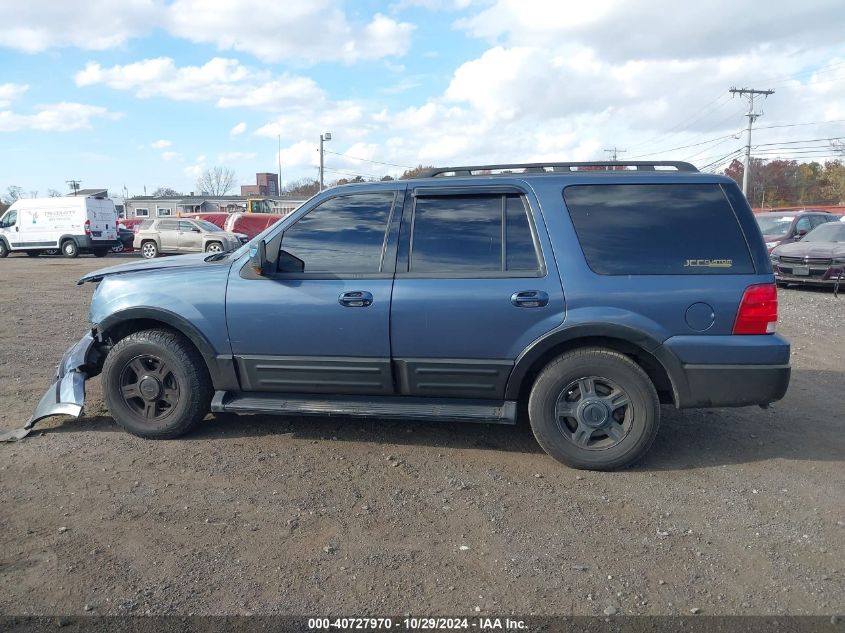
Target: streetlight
{"type": "Point", "coordinates": [325, 136]}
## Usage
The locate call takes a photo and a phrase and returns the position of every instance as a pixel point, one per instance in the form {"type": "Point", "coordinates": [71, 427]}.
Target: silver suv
{"type": "Point", "coordinates": [183, 235]}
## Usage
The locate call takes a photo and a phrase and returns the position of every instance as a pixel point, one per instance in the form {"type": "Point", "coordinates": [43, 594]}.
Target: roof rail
{"type": "Point", "coordinates": [483, 170]}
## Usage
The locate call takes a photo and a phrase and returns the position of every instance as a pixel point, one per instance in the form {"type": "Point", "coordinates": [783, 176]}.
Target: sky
{"type": "Point", "coordinates": [138, 94]}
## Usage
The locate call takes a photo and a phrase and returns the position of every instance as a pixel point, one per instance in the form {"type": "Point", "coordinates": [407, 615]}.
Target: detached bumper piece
{"type": "Point", "coordinates": [66, 395]}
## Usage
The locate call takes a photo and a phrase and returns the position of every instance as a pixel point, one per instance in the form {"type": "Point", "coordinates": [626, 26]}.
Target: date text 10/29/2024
{"type": "Point", "coordinates": [416, 624]}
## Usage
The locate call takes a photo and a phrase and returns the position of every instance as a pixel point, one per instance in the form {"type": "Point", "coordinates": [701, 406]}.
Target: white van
{"type": "Point", "coordinates": [70, 225]}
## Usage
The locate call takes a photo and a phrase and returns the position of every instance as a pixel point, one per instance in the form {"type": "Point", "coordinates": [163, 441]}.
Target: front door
{"type": "Point", "coordinates": [322, 325]}
{"type": "Point", "coordinates": [472, 290]}
{"type": "Point", "coordinates": [9, 228]}
{"type": "Point", "coordinates": [168, 231]}
{"type": "Point", "coordinates": [190, 237]}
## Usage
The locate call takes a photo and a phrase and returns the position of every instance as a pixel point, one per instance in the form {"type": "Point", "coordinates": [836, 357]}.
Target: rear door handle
{"type": "Point", "coordinates": [530, 299]}
{"type": "Point", "coordinates": [355, 299]}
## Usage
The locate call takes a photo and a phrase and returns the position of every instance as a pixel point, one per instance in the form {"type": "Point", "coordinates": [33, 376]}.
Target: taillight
{"type": "Point", "coordinates": [758, 311]}
{"type": "Point", "coordinates": [87, 227]}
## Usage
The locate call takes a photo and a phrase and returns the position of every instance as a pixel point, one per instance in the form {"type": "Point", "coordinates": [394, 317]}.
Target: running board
{"type": "Point", "coordinates": [431, 409]}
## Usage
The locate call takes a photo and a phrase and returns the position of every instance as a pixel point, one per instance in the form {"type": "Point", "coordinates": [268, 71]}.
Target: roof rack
{"type": "Point", "coordinates": [536, 168]}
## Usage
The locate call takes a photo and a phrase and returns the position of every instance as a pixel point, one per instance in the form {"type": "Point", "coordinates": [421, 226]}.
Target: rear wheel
{"type": "Point", "coordinates": [594, 409]}
{"type": "Point", "coordinates": [101, 252]}
{"type": "Point", "coordinates": [214, 247]}
{"type": "Point", "coordinates": [156, 385]}
{"type": "Point", "coordinates": [33, 253]}
{"type": "Point", "coordinates": [149, 250]}
{"type": "Point", "coordinates": [69, 248]}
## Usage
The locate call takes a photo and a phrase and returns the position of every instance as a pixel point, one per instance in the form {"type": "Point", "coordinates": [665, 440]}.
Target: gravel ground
{"type": "Point", "coordinates": [732, 512]}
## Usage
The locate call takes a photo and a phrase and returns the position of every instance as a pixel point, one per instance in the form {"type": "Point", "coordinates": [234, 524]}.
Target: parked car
{"type": "Point", "coordinates": [69, 225]}
{"type": "Point", "coordinates": [819, 258]}
{"type": "Point", "coordinates": [785, 227]}
{"type": "Point", "coordinates": [125, 238]}
{"type": "Point", "coordinates": [182, 235]}
{"type": "Point", "coordinates": [588, 296]}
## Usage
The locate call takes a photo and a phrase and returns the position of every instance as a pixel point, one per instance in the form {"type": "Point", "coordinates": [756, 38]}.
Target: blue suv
{"type": "Point", "coordinates": [585, 294]}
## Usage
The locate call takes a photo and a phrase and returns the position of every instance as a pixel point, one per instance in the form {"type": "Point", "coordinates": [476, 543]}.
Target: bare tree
{"type": "Point", "coordinates": [217, 181]}
{"type": "Point", "coordinates": [166, 192]}
{"type": "Point", "coordinates": [33, 193]}
{"type": "Point", "coordinates": [53, 193]}
{"type": "Point", "coordinates": [14, 193]}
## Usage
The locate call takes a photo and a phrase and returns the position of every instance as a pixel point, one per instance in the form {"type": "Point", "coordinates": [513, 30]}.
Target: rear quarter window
{"type": "Point", "coordinates": [674, 229]}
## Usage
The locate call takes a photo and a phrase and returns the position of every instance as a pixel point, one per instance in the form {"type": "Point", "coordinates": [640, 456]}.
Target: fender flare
{"type": "Point", "coordinates": [220, 366]}
{"type": "Point", "coordinates": [538, 348]}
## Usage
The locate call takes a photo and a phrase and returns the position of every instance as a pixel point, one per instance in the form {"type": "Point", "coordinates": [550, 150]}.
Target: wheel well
{"type": "Point", "coordinates": [123, 329]}
{"type": "Point", "coordinates": [652, 367]}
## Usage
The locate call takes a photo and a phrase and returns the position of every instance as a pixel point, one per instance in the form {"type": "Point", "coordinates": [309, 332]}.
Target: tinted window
{"type": "Point", "coordinates": [187, 226]}
{"type": "Point", "coordinates": [803, 224]}
{"type": "Point", "coordinates": [10, 219]}
{"type": "Point", "coordinates": [343, 235]}
{"type": "Point", "coordinates": [168, 225]}
{"type": "Point", "coordinates": [520, 253]}
{"type": "Point", "coordinates": [657, 229]}
{"type": "Point", "coordinates": [457, 234]}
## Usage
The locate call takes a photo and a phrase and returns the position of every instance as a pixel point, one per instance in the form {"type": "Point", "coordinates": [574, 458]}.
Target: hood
{"type": "Point", "coordinates": [820, 250]}
{"type": "Point", "coordinates": [174, 261]}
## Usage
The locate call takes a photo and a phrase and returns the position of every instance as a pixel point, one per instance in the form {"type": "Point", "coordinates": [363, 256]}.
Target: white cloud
{"type": "Point", "coordinates": [227, 82]}
{"type": "Point", "coordinates": [240, 128]}
{"type": "Point", "coordinates": [56, 117]}
{"type": "Point", "coordinates": [38, 25]}
{"type": "Point", "coordinates": [313, 31]}
{"type": "Point", "coordinates": [195, 171]}
{"type": "Point", "coordinates": [161, 144]}
{"type": "Point", "coordinates": [10, 92]}
{"type": "Point", "coordinates": [170, 155]}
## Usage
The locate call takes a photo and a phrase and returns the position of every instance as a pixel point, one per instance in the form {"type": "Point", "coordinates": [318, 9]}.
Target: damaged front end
{"type": "Point", "coordinates": [66, 395]}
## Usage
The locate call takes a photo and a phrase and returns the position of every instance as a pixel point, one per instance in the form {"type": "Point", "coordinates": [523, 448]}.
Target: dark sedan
{"type": "Point", "coordinates": [818, 258]}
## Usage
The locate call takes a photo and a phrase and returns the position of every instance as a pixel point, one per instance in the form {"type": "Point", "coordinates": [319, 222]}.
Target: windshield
{"type": "Point", "coordinates": [830, 232]}
{"type": "Point", "coordinates": [774, 225]}
{"type": "Point", "coordinates": [208, 226]}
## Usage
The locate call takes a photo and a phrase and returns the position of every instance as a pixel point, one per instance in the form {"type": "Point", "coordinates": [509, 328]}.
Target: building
{"type": "Point", "coordinates": [157, 207]}
{"type": "Point", "coordinates": [266, 184]}
{"type": "Point", "coordinates": [101, 193]}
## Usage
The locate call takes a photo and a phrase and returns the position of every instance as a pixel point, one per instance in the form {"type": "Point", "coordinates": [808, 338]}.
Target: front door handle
{"type": "Point", "coordinates": [530, 299]}
{"type": "Point", "coordinates": [356, 299]}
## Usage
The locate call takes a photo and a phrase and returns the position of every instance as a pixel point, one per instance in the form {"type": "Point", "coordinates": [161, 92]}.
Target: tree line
{"type": "Point", "coordinates": [788, 183]}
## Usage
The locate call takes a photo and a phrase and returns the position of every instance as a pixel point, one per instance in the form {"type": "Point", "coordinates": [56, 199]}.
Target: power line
{"type": "Point", "coordinates": [672, 149]}
{"type": "Point", "coordinates": [368, 160]}
{"type": "Point", "coordinates": [614, 153]}
{"type": "Point", "coordinates": [771, 127]}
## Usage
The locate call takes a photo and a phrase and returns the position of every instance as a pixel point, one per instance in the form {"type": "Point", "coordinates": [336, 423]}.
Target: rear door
{"type": "Point", "coordinates": [475, 284]}
{"type": "Point", "coordinates": [323, 329]}
{"type": "Point", "coordinates": [102, 215]}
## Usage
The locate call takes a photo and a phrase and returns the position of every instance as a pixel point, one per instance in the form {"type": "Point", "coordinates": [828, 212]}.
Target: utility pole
{"type": "Point", "coordinates": [752, 116]}
{"type": "Point", "coordinates": [74, 184]}
{"type": "Point", "coordinates": [279, 179]}
{"type": "Point", "coordinates": [326, 136]}
{"type": "Point", "coordinates": [614, 153]}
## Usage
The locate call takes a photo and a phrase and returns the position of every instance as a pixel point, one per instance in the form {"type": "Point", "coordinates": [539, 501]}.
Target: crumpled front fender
{"type": "Point", "coordinates": [66, 395]}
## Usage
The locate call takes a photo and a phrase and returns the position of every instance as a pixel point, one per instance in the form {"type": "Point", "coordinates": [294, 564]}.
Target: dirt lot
{"type": "Point", "coordinates": [733, 511]}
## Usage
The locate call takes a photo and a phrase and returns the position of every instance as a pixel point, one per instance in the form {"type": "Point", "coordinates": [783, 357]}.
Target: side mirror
{"type": "Point", "coordinates": [258, 257]}
{"type": "Point", "coordinates": [195, 230]}
{"type": "Point", "coordinates": [290, 263]}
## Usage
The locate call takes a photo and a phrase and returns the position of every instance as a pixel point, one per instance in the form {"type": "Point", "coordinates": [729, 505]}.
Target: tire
{"type": "Point", "coordinates": [169, 380]}
{"type": "Point", "coordinates": [149, 250]}
{"type": "Point", "coordinates": [33, 253]}
{"type": "Point", "coordinates": [594, 409]}
{"type": "Point", "coordinates": [70, 249]}
{"type": "Point", "coordinates": [50, 251]}
{"type": "Point", "coordinates": [214, 247]}
{"type": "Point", "coordinates": [4, 250]}
{"type": "Point", "coordinates": [101, 252]}
{"type": "Point", "coordinates": [118, 249]}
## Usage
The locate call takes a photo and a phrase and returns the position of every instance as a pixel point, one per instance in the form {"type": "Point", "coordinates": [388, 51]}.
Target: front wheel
{"type": "Point", "coordinates": [156, 384]}
{"type": "Point", "coordinates": [149, 250]}
{"type": "Point", "coordinates": [594, 408]}
{"type": "Point", "coordinates": [117, 249]}
{"type": "Point", "coordinates": [214, 247]}
{"type": "Point", "coordinates": [4, 250]}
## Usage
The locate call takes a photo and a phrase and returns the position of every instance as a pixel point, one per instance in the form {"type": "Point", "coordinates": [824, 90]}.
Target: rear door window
{"type": "Point", "coordinates": [674, 229]}
{"type": "Point", "coordinates": [168, 225]}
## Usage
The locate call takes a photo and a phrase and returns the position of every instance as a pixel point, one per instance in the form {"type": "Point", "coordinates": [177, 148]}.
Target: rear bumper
{"type": "Point", "coordinates": [726, 371]}
{"type": "Point", "coordinates": [735, 385]}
